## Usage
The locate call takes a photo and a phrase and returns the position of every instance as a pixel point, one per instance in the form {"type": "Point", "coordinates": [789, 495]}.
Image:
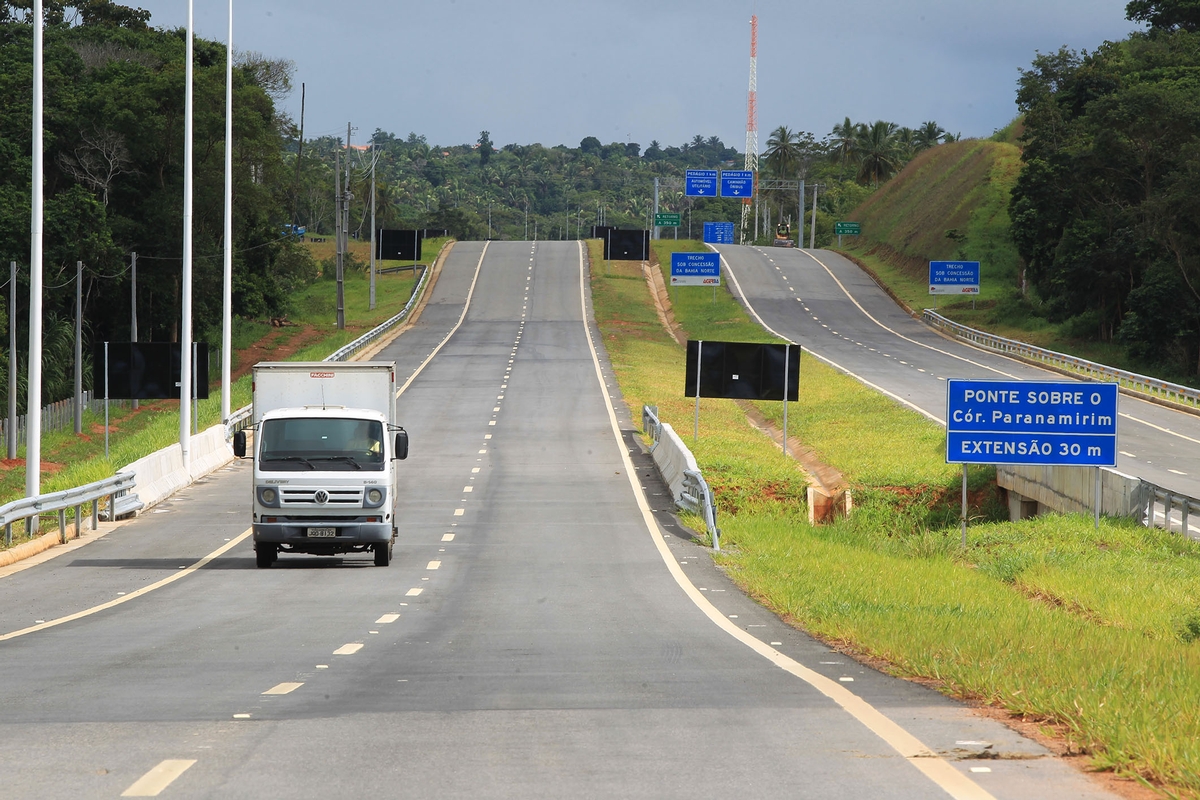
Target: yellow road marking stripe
{"type": "Point", "coordinates": [158, 778]}
{"type": "Point", "coordinates": [937, 769]}
{"type": "Point", "coordinates": [126, 598]}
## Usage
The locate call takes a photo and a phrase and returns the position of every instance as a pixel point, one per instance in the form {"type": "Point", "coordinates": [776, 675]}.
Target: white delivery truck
{"type": "Point", "coordinates": [325, 449]}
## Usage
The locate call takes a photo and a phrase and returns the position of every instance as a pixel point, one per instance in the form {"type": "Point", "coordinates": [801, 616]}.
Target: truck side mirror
{"type": "Point", "coordinates": [402, 444]}
{"type": "Point", "coordinates": [239, 444]}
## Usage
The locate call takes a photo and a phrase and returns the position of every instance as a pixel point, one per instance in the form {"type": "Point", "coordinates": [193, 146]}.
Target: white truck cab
{"type": "Point", "coordinates": [325, 451]}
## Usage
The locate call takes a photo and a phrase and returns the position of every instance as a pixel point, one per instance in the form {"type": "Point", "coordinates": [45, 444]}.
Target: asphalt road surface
{"type": "Point", "coordinates": [545, 630]}
{"type": "Point", "coordinates": [829, 305]}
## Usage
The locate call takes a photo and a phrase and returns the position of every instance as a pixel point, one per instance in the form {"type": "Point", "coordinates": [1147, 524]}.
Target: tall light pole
{"type": "Point", "coordinates": [33, 406]}
{"type": "Point", "coordinates": [372, 304]}
{"type": "Point", "coordinates": [227, 286]}
{"type": "Point", "coordinates": [185, 334]}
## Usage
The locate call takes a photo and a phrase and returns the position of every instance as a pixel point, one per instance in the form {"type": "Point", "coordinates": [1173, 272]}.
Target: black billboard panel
{"type": "Point", "coordinates": [399, 245]}
{"type": "Point", "coordinates": [743, 371]}
{"type": "Point", "coordinates": [601, 231]}
{"type": "Point", "coordinates": [626, 245]}
{"type": "Point", "coordinates": [146, 370]}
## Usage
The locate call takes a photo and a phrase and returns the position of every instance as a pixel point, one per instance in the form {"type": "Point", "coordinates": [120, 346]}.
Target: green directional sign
{"type": "Point", "coordinates": [847, 228]}
{"type": "Point", "coordinates": [667, 220]}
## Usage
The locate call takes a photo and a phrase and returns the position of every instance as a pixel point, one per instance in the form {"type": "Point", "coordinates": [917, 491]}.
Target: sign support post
{"type": "Point", "coordinates": [699, 362]}
{"type": "Point", "coordinates": [786, 353]}
{"type": "Point", "coordinates": [1098, 501]}
{"type": "Point", "coordinates": [964, 508]}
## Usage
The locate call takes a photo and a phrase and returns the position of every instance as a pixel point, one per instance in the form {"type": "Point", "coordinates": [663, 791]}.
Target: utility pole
{"type": "Point", "coordinates": [656, 232]}
{"type": "Point", "coordinates": [227, 260]}
{"type": "Point", "coordinates": [337, 233]}
{"type": "Point", "coordinates": [185, 325]}
{"type": "Point", "coordinates": [133, 331]}
{"type": "Point", "coordinates": [372, 303]}
{"type": "Point", "coordinates": [78, 347]}
{"type": "Point", "coordinates": [33, 403]}
{"type": "Point", "coordinates": [12, 359]}
{"type": "Point", "coordinates": [812, 234]}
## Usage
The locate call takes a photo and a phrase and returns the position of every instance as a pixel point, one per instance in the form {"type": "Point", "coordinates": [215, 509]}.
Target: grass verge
{"type": "Point", "coordinates": [1095, 634]}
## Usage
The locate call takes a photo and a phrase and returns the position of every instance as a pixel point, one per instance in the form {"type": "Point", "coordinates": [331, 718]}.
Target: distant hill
{"type": "Point", "coordinates": [950, 202]}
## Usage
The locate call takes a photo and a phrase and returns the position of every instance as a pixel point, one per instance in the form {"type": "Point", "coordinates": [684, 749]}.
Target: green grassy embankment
{"type": "Point", "coordinates": [1094, 634]}
{"type": "Point", "coordinates": [69, 460]}
{"type": "Point", "coordinates": [951, 202]}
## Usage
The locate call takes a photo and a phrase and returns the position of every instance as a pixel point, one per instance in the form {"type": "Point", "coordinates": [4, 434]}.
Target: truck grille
{"type": "Point", "coordinates": [308, 496]}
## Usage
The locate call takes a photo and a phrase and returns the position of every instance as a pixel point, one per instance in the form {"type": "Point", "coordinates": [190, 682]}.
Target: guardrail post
{"type": "Point", "coordinates": [78, 522]}
{"type": "Point", "coordinates": [8, 534]}
{"type": "Point", "coordinates": [96, 513]}
{"type": "Point", "coordinates": [62, 525]}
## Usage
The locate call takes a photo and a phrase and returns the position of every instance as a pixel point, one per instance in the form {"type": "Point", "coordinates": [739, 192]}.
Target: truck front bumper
{"type": "Point", "coordinates": [294, 535]}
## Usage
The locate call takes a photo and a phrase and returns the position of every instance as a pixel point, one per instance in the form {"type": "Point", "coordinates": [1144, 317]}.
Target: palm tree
{"type": "Point", "coordinates": [783, 153]}
{"type": "Point", "coordinates": [878, 150]}
{"type": "Point", "coordinates": [845, 139]}
{"type": "Point", "coordinates": [928, 135]}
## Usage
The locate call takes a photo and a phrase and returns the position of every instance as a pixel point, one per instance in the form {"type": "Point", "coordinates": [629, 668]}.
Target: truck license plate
{"type": "Point", "coordinates": [322, 533]}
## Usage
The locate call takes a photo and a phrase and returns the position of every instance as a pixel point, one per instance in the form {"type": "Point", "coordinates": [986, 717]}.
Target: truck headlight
{"type": "Point", "coordinates": [268, 496]}
{"type": "Point", "coordinates": [374, 497]}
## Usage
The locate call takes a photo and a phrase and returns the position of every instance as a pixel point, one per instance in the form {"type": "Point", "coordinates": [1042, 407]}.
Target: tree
{"type": "Point", "coordinates": [1165, 15]}
{"type": "Point", "coordinates": [783, 154]}
{"type": "Point", "coordinates": [928, 135]}
{"type": "Point", "coordinates": [845, 142]}
{"type": "Point", "coordinates": [878, 152]}
{"type": "Point", "coordinates": [485, 148]}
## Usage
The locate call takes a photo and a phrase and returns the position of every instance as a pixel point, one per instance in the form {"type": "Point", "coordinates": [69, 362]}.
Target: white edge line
{"type": "Point", "coordinates": [937, 769]}
{"type": "Point", "coordinates": [818, 356]}
{"type": "Point", "coordinates": [457, 325]}
{"type": "Point", "coordinates": [87, 612]}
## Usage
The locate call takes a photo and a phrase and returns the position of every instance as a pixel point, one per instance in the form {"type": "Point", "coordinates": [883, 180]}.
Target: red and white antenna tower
{"type": "Point", "coordinates": [751, 121]}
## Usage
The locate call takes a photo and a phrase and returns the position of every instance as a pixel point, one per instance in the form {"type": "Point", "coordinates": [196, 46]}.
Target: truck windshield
{"type": "Point", "coordinates": [305, 444]}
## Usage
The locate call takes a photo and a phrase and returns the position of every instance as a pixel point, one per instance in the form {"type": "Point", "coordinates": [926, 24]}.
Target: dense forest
{"type": "Point", "coordinates": [1106, 211]}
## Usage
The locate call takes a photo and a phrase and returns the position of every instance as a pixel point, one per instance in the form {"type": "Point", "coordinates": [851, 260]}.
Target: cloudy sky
{"type": "Point", "coordinates": [636, 70]}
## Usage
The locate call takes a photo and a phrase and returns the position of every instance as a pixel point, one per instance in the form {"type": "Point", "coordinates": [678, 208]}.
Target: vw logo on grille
{"type": "Point", "coordinates": [321, 496]}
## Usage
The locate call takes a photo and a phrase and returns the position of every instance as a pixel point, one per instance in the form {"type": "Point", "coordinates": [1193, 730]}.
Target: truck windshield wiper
{"type": "Point", "coordinates": [301, 459]}
{"type": "Point", "coordinates": [347, 459]}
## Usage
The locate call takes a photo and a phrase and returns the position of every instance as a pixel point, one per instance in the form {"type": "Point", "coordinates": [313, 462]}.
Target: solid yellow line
{"type": "Point", "coordinates": [159, 778]}
{"type": "Point", "coordinates": [934, 767]}
{"type": "Point", "coordinates": [41, 626]}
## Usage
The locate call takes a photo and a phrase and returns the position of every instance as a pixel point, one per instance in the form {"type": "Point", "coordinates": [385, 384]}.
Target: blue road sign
{"type": "Point", "coordinates": [718, 232]}
{"type": "Point", "coordinates": [954, 277]}
{"type": "Point", "coordinates": [695, 269]}
{"type": "Point", "coordinates": [700, 183]}
{"type": "Point", "coordinates": [737, 183]}
{"type": "Point", "coordinates": [1031, 422]}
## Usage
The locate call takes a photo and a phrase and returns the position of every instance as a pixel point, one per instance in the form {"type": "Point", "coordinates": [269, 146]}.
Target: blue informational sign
{"type": "Point", "coordinates": [1031, 422]}
{"type": "Point", "coordinates": [718, 232]}
{"type": "Point", "coordinates": [700, 183]}
{"type": "Point", "coordinates": [737, 183]}
{"type": "Point", "coordinates": [695, 269]}
{"type": "Point", "coordinates": [954, 277]}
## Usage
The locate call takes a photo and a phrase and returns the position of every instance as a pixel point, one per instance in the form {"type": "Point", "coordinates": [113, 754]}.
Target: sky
{"type": "Point", "coordinates": [640, 70]}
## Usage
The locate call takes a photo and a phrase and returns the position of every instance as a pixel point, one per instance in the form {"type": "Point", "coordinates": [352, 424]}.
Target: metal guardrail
{"type": "Point", "coordinates": [694, 493]}
{"type": "Point", "coordinates": [29, 507]}
{"type": "Point", "coordinates": [1177, 510]}
{"type": "Point", "coordinates": [1153, 387]}
{"type": "Point", "coordinates": [241, 419]}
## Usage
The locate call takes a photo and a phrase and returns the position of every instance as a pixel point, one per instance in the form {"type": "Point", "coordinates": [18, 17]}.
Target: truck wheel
{"type": "Point", "coordinates": [264, 555]}
{"type": "Point", "coordinates": [383, 554]}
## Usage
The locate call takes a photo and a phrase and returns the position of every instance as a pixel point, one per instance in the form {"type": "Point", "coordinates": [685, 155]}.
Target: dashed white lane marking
{"type": "Point", "coordinates": [447, 537]}
{"type": "Point", "coordinates": [348, 649]}
{"type": "Point", "coordinates": [497, 408]}
{"type": "Point", "coordinates": [284, 688]}
{"type": "Point", "coordinates": [486, 436]}
{"type": "Point", "coordinates": [1175, 471]}
{"type": "Point", "coordinates": [476, 469]}
{"type": "Point", "coordinates": [413, 592]}
{"type": "Point", "coordinates": [1127, 454]}
{"type": "Point", "coordinates": [468, 488]}
{"type": "Point", "coordinates": [241, 716]}
{"type": "Point", "coordinates": [913, 750]}
{"type": "Point", "coordinates": [387, 618]}
{"type": "Point", "coordinates": [481, 452]}
{"type": "Point", "coordinates": [158, 778]}
{"type": "Point", "coordinates": [491, 422]}
{"type": "Point", "coordinates": [433, 565]}
{"type": "Point", "coordinates": [458, 512]}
